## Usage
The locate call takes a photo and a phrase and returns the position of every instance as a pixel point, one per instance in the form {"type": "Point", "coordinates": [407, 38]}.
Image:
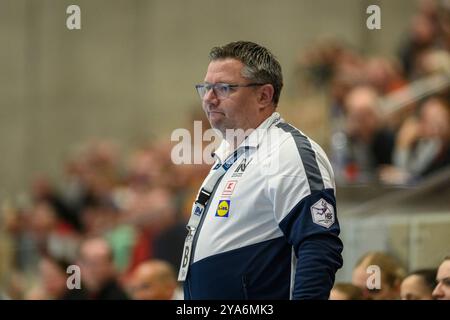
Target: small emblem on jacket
{"type": "Point", "coordinates": [241, 167]}
{"type": "Point", "coordinates": [322, 213]}
{"type": "Point", "coordinates": [229, 188]}
{"type": "Point", "coordinates": [198, 210]}
{"type": "Point", "coordinates": [223, 208]}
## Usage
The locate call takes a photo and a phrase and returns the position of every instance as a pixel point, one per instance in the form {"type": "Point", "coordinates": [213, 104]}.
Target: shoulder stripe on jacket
{"type": "Point", "coordinates": [307, 155]}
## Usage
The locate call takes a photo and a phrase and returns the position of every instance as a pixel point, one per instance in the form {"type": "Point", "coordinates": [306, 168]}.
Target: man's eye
{"type": "Point", "coordinates": [223, 88]}
{"type": "Point", "coordinates": [446, 282]}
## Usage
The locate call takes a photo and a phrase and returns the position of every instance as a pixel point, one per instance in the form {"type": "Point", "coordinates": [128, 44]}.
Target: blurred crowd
{"type": "Point", "coordinates": [390, 121]}
{"type": "Point", "coordinates": [379, 276]}
{"type": "Point", "coordinates": [122, 221]}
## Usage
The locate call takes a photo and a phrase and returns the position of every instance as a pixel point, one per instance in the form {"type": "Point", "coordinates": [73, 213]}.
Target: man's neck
{"type": "Point", "coordinates": [235, 137]}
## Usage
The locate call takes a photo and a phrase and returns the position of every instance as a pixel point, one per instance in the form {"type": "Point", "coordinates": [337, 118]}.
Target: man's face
{"type": "Point", "coordinates": [362, 120]}
{"type": "Point", "coordinates": [241, 109]}
{"type": "Point", "coordinates": [53, 278]}
{"type": "Point", "coordinates": [145, 285]}
{"type": "Point", "coordinates": [442, 290]}
{"type": "Point", "coordinates": [96, 264]}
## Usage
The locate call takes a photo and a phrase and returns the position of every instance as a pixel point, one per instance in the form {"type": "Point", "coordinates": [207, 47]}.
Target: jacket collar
{"type": "Point", "coordinates": [251, 141]}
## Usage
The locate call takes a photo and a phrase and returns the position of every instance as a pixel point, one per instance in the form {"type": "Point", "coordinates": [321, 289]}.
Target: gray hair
{"type": "Point", "coordinates": [260, 65]}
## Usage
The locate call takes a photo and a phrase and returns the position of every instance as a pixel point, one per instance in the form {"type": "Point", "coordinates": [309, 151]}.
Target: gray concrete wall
{"type": "Point", "coordinates": [128, 74]}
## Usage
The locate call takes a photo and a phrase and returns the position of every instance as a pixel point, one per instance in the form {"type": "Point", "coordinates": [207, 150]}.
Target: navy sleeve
{"type": "Point", "coordinates": [312, 228]}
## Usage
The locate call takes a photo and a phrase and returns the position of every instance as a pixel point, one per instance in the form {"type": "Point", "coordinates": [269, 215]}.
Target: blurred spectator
{"type": "Point", "coordinates": [423, 144]}
{"type": "Point", "coordinates": [443, 13]}
{"type": "Point", "coordinates": [418, 285]}
{"type": "Point", "coordinates": [98, 275]}
{"type": "Point", "coordinates": [371, 143]}
{"type": "Point", "coordinates": [383, 75]}
{"type": "Point", "coordinates": [346, 291]}
{"type": "Point", "coordinates": [442, 290]}
{"type": "Point", "coordinates": [423, 35]}
{"type": "Point", "coordinates": [43, 222]}
{"type": "Point", "coordinates": [168, 244]}
{"type": "Point", "coordinates": [152, 212]}
{"type": "Point", "coordinates": [429, 34]}
{"type": "Point", "coordinates": [153, 280]}
{"type": "Point", "coordinates": [391, 275]}
{"type": "Point", "coordinates": [52, 280]}
{"type": "Point", "coordinates": [42, 190]}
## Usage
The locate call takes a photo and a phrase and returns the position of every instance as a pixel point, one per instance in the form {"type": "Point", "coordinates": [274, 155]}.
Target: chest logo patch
{"type": "Point", "coordinates": [223, 208]}
{"type": "Point", "coordinates": [241, 167]}
{"type": "Point", "coordinates": [229, 187]}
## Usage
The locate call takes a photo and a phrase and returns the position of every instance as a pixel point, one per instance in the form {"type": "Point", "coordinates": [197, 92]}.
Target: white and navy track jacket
{"type": "Point", "coordinates": [270, 229]}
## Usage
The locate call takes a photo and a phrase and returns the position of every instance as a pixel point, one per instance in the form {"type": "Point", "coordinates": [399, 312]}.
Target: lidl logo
{"type": "Point", "coordinates": [223, 209]}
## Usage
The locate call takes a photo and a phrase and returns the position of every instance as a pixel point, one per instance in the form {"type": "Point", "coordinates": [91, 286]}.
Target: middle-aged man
{"type": "Point", "coordinates": [442, 290]}
{"type": "Point", "coordinates": [98, 274]}
{"type": "Point", "coordinates": [264, 224]}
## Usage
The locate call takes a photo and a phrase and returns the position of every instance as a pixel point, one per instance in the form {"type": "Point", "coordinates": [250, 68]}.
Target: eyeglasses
{"type": "Point", "coordinates": [221, 90]}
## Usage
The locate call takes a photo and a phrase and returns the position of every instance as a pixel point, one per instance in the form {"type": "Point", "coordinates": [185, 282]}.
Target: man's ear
{"type": "Point", "coordinates": [265, 94]}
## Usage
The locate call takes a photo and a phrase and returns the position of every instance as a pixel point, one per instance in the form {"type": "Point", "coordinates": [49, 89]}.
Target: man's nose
{"type": "Point", "coordinates": [210, 96]}
{"type": "Point", "coordinates": [437, 292]}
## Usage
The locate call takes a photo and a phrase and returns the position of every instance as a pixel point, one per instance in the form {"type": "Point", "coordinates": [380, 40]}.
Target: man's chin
{"type": "Point", "coordinates": [219, 130]}
{"type": "Point", "coordinates": [216, 117]}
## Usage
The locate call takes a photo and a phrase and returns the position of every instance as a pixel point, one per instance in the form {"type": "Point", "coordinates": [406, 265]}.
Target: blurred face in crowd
{"type": "Point", "coordinates": [346, 291]}
{"type": "Point", "coordinates": [442, 290]}
{"type": "Point", "coordinates": [244, 108]}
{"type": "Point", "coordinates": [444, 17]}
{"type": "Point", "coordinates": [414, 287]}
{"type": "Point", "coordinates": [337, 294]}
{"type": "Point", "coordinates": [386, 291]}
{"type": "Point", "coordinates": [435, 120]}
{"type": "Point", "coordinates": [43, 219]}
{"type": "Point", "coordinates": [96, 263]}
{"type": "Point", "coordinates": [362, 115]}
{"type": "Point", "coordinates": [153, 281]}
{"type": "Point", "coordinates": [423, 30]}
{"type": "Point", "coordinates": [144, 168]}
{"type": "Point", "coordinates": [53, 278]}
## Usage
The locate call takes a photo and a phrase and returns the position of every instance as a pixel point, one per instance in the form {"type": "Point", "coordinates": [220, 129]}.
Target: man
{"type": "Point", "coordinates": [442, 290]}
{"type": "Point", "coordinates": [264, 224]}
{"type": "Point", "coordinates": [371, 142]}
{"type": "Point", "coordinates": [98, 274]}
{"type": "Point", "coordinates": [153, 280]}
